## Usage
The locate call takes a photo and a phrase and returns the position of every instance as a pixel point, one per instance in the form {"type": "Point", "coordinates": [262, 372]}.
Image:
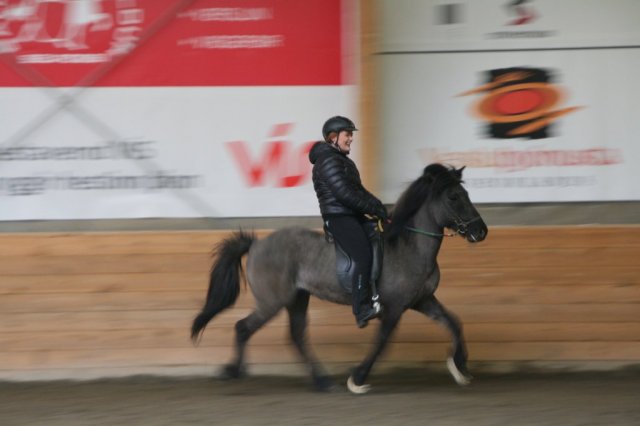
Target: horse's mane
{"type": "Point", "coordinates": [435, 179]}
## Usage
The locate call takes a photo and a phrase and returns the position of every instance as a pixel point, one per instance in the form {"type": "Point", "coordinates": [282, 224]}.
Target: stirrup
{"type": "Point", "coordinates": [375, 302]}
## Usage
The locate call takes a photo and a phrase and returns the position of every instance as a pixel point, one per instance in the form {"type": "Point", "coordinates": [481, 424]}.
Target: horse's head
{"type": "Point", "coordinates": [434, 201]}
{"type": "Point", "coordinates": [450, 203]}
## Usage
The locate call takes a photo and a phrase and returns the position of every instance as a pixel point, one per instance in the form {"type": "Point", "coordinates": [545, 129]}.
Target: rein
{"type": "Point", "coordinates": [461, 224]}
{"type": "Point", "coordinates": [380, 228]}
{"type": "Point", "coordinates": [430, 234]}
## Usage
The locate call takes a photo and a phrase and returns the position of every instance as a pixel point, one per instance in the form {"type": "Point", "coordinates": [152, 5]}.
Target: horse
{"type": "Point", "coordinates": [292, 263]}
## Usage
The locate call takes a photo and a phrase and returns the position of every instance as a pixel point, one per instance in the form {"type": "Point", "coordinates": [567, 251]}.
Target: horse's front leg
{"type": "Point", "coordinates": [457, 363]}
{"type": "Point", "coordinates": [389, 322]}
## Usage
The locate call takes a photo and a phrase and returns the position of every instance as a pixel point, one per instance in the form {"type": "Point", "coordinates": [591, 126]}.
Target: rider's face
{"type": "Point", "coordinates": [344, 140]}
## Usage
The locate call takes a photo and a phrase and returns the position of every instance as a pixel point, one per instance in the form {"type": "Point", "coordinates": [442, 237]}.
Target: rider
{"type": "Point", "coordinates": [344, 202]}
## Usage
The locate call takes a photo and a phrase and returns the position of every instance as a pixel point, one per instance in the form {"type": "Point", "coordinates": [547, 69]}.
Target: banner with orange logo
{"type": "Point", "coordinates": [544, 113]}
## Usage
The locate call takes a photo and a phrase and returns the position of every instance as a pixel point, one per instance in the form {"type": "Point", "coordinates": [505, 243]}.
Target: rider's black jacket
{"type": "Point", "coordinates": [338, 186]}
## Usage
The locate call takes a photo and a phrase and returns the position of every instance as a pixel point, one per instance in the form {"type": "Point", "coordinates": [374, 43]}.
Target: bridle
{"type": "Point", "coordinates": [462, 225]}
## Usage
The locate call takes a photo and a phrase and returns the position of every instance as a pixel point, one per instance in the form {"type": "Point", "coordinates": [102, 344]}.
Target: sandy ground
{"type": "Point", "coordinates": [404, 397]}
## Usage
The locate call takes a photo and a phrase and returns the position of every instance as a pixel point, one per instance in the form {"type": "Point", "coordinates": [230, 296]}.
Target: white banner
{"type": "Point", "coordinates": [163, 152]}
{"type": "Point", "coordinates": [532, 124]}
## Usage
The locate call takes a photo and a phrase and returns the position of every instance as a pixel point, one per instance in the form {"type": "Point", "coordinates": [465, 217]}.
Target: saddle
{"type": "Point", "coordinates": [344, 262]}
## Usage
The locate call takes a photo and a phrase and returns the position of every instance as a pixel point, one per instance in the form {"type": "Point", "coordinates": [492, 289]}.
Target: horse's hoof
{"type": "Point", "coordinates": [461, 378]}
{"type": "Point", "coordinates": [230, 372]}
{"type": "Point", "coordinates": [323, 384]}
{"type": "Point", "coordinates": [357, 389]}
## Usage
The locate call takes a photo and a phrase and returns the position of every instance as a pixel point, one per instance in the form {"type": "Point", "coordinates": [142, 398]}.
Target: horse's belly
{"type": "Point", "coordinates": [325, 287]}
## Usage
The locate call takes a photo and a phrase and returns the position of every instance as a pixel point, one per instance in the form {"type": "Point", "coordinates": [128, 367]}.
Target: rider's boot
{"type": "Point", "coordinates": [363, 307]}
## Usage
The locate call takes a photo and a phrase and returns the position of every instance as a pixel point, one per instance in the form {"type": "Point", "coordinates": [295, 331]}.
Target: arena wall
{"type": "Point", "coordinates": [83, 305]}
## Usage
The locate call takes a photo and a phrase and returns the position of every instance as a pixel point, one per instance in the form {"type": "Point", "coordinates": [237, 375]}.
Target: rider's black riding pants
{"type": "Point", "coordinates": [350, 233]}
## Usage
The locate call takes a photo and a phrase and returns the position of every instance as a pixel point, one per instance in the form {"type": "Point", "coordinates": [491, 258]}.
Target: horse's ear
{"type": "Point", "coordinates": [459, 171]}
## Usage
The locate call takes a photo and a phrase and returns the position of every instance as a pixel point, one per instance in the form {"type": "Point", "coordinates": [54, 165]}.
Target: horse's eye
{"type": "Point", "coordinates": [452, 196]}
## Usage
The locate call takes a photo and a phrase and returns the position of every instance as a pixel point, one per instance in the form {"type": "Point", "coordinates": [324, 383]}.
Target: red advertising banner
{"type": "Point", "coordinates": [109, 43]}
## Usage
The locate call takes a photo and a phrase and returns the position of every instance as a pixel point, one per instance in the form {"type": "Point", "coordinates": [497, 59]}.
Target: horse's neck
{"type": "Point", "coordinates": [425, 247]}
{"type": "Point", "coordinates": [429, 246]}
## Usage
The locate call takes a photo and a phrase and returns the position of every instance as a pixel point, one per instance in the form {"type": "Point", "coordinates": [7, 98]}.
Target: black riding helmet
{"type": "Point", "coordinates": [337, 124]}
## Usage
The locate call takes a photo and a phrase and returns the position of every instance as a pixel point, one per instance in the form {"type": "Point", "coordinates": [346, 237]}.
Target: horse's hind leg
{"type": "Point", "coordinates": [457, 364]}
{"type": "Point", "coordinates": [298, 327]}
{"type": "Point", "coordinates": [244, 330]}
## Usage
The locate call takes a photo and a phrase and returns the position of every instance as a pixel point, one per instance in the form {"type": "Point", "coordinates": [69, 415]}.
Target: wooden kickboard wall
{"type": "Point", "coordinates": [87, 305]}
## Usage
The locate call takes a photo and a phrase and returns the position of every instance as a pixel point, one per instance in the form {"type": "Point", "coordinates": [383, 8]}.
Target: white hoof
{"type": "Point", "coordinates": [358, 390]}
{"type": "Point", "coordinates": [460, 378]}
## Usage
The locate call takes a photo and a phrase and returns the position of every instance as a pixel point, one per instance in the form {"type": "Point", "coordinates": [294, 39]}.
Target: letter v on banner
{"type": "Point", "coordinates": [283, 163]}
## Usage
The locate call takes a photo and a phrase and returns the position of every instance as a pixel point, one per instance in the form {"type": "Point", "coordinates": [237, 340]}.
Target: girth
{"type": "Point", "coordinates": [344, 262]}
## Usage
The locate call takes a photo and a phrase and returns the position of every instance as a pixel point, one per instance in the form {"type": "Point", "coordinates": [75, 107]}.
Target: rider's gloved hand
{"type": "Point", "coordinates": [381, 213]}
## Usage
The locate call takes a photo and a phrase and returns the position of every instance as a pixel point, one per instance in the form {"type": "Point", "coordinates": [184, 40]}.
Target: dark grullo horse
{"type": "Point", "coordinates": [289, 265]}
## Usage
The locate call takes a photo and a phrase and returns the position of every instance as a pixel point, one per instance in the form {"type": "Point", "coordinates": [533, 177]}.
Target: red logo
{"type": "Point", "coordinates": [519, 102]}
{"type": "Point", "coordinates": [44, 31]}
{"type": "Point", "coordinates": [524, 14]}
{"type": "Point", "coordinates": [282, 163]}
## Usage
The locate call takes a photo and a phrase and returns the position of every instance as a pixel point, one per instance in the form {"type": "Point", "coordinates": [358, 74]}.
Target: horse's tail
{"type": "Point", "coordinates": [224, 283]}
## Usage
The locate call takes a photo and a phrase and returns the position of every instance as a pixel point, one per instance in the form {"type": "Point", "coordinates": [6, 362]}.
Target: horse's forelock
{"type": "Point", "coordinates": [441, 177]}
{"type": "Point", "coordinates": [444, 178]}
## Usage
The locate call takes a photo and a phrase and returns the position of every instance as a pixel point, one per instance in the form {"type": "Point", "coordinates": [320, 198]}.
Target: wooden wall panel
{"type": "Point", "coordinates": [78, 305]}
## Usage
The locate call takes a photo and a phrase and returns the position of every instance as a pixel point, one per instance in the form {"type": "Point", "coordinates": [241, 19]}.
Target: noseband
{"type": "Point", "coordinates": [463, 226]}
